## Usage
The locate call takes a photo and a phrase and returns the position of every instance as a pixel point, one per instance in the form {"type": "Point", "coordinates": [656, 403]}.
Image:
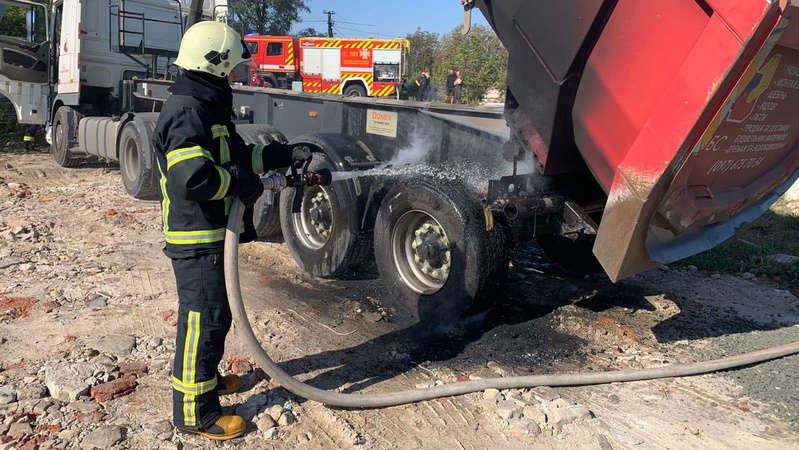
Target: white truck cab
{"type": "Point", "coordinates": [25, 48]}
{"type": "Point", "coordinates": [78, 68]}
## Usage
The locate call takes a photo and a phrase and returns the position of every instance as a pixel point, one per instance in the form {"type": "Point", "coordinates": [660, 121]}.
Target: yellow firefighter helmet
{"type": "Point", "coordinates": [212, 47]}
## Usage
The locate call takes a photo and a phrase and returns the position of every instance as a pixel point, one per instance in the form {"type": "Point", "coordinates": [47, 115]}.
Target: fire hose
{"type": "Point", "coordinates": [231, 257]}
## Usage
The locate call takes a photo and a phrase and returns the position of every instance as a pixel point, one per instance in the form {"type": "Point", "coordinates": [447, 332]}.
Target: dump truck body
{"type": "Point", "coordinates": [684, 112]}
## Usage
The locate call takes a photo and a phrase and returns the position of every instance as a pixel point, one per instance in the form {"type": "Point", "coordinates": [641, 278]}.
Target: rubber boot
{"type": "Point", "coordinates": [228, 384]}
{"type": "Point", "coordinates": [226, 427]}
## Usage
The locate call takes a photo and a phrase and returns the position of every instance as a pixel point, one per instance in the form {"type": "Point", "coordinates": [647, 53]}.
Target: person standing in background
{"type": "Point", "coordinates": [451, 85]}
{"type": "Point", "coordinates": [256, 80]}
{"type": "Point", "coordinates": [29, 138]}
{"type": "Point", "coordinates": [457, 90]}
{"type": "Point", "coordinates": [424, 86]}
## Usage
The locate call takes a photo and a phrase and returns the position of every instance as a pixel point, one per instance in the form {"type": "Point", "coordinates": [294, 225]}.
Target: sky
{"type": "Point", "coordinates": [386, 19]}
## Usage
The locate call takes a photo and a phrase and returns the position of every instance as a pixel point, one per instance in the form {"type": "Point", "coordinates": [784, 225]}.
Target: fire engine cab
{"type": "Point", "coordinates": [351, 67]}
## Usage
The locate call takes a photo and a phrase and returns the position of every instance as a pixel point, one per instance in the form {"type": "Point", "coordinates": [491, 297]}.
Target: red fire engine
{"type": "Point", "coordinates": [354, 67]}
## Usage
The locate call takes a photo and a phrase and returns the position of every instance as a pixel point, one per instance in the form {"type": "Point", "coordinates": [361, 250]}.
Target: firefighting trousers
{"type": "Point", "coordinates": [204, 320]}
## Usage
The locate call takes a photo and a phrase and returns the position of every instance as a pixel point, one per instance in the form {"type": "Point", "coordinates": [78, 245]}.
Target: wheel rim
{"type": "Point", "coordinates": [421, 252]}
{"type": "Point", "coordinates": [58, 135]}
{"type": "Point", "coordinates": [315, 223]}
{"type": "Point", "coordinates": [130, 158]}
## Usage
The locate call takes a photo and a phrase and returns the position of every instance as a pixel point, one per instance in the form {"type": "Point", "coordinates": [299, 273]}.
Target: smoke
{"type": "Point", "coordinates": [420, 149]}
{"type": "Point", "coordinates": [469, 158]}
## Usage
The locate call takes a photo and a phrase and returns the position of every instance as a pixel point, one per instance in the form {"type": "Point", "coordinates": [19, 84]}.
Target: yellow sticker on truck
{"type": "Point", "coordinates": [381, 123]}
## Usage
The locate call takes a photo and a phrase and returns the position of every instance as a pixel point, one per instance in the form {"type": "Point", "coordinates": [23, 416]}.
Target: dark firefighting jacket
{"type": "Point", "coordinates": [193, 139]}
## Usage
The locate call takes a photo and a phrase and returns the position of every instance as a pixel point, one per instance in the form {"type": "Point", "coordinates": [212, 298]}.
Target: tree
{"type": "Point", "coordinates": [309, 33]}
{"type": "Point", "coordinates": [275, 17]}
{"type": "Point", "coordinates": [480, 56]}
{"type": "Point", "coordinates": [13, 22]}
{"type": "Point", "coordinates": [423, 47]}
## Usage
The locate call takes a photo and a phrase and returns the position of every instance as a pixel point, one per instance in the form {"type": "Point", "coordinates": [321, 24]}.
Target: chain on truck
{"type": "Point", "coordinates": [619, 160]}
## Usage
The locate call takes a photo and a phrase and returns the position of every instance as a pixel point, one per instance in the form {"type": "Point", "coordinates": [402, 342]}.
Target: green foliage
{"type": "Point", "coordinates": [275, 17]}
{"type": "Point", "coordinates": [480, 56]}
{"type": "Point", "coordinates": [13, 22]}
{"type": "Point", "coordinates": [423, 48]}
{"type": "Point", "coordinates": [309, 33]}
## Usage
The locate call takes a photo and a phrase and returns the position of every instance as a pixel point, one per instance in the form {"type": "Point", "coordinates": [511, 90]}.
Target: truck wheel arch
{"type": "Point", "coordinates": [271, 79]}
{"type": "Point", "coordinates": [355, 87]}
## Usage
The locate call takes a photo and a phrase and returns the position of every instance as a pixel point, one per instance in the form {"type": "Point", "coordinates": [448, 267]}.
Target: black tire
{"type": "Point", "coordinates": [266, 217]}
{"type": "Point", "coordinates": [139, 180]}
{"type": "Point", "coordinates": [573, 255]}
{"type": "Point", "coordinates": [270, 83]}
{"type": "Point", "coordinates": [354, 90]}
{"type": "Point", "coordinates": [65, 123]}
{"type": "Point", "coordinates": [333, 245]}
{"type": "Point", "coordinates": [453, 231]}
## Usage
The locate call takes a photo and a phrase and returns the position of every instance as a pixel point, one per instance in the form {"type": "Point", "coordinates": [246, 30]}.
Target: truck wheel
{"type": "Point", "coordinates": [140, 181]}
{"type": "Point", "coordinates": [354, 90]}
{"type": "Point", "coordinates": [433, 251]}
{"type": "Point", "coordinates": [325, 237]}
{"type": "Point", "coordinates": [62, 129]}
{"type": "Point", "coordinates": [573, 255]}
{"type": "Point", "coordinates": [266, 217]}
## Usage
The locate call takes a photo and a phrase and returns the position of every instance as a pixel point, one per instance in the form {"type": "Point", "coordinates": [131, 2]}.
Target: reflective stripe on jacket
{"type": "Point", "coordinates": [192, 143]}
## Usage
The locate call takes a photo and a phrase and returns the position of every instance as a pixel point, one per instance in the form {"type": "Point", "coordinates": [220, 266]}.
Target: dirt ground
{"type": "Point", "coordinates": [87, 309]}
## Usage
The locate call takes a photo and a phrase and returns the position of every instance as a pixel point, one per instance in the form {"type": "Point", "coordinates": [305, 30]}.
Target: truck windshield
{"type": "Point", "coordinates": [24, 21]}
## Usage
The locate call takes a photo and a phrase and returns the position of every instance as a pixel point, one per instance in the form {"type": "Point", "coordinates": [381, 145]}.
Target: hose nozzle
{"type": "Point", "coordinates": [323, 177]}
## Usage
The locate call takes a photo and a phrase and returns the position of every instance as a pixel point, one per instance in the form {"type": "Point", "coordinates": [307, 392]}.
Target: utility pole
{"type": "Point", "coordinates": [195, 13]}
{"type": "Point", "coordinates": [330, 15]}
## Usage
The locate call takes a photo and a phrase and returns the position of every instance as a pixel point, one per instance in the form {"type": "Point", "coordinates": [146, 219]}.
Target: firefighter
{"type": "Point", "coordinates": [256, 80]}
{"type": "Point", "coordinates": [204, 164]}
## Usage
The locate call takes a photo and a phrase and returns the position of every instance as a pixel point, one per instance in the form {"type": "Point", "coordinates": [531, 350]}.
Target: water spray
{"type": "Point", "coordinates": [277, 182]}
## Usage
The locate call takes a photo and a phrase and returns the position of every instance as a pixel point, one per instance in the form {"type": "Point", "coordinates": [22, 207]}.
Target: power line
{"type": "Point", "coordinates": [338, 25]}
{"type": "Point", "coordinates": [363, 33]}
{"type": "Point", "coordinates": [356, 23]}
{"type": "Point", "coordinates": [340, 34]}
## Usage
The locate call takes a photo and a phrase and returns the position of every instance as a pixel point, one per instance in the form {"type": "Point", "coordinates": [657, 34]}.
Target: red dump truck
{"type": "Point", "coordinates": [684, 113]}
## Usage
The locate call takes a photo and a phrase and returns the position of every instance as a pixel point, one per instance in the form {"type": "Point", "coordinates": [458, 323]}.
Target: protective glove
{"type": "Point", "coordinates": [287, 155]}
{"type": "Point", "coordinates": [245, 185]}
{"type": "Point", "coordinates": [300, 155]}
